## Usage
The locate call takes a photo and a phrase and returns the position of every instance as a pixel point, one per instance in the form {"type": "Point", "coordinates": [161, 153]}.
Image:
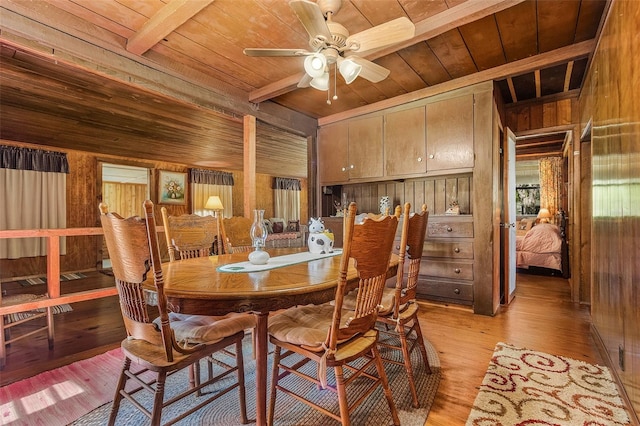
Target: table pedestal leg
{"type": "Point", "coordinates": [262, 319]}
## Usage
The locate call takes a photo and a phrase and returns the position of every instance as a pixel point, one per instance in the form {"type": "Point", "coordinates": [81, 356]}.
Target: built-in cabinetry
{"type": "Point", "coordinates": [435, 151]}
{"type": "Point", "coordinates": [446, 270]}
{"type": "Point", "coordinates": [411, 141]}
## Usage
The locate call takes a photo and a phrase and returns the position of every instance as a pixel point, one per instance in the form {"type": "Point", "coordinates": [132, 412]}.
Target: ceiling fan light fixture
{"type": "Point", "coordinates": [349, 70]}
{"type": "Point", "coordinates": [320, 83]}
{"type": "Point", "coordinates": [315, 64]}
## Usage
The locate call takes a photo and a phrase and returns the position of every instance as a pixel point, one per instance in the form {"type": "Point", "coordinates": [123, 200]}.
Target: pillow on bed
{"type": "Point", "coordinates": [525, 224]}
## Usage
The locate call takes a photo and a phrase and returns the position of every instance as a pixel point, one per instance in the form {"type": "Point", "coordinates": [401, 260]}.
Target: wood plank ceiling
{"type": "Point", "coordinates": [533, 49]}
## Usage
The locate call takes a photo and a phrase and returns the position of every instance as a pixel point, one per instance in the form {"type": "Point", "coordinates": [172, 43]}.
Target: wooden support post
{"type": "Point", "coordinates": [249, 138]}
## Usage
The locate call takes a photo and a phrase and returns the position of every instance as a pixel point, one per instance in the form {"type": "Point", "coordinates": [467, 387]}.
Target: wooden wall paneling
{"type": "Point", "coordinates": [419, 196]}
{"type": "Point", "coordinates": [585, 212]}
{"type": "Point", "coordinates": [430, 196]}
{"type": "Point", "coordinates": [440, 196]}
{"type": "Point", "coordinates": [464, 195]}
{"type": "Point", "coordinates": [563, 112]}
{"type": "Point", "coordinates": [549, 118]}
{"type": "Point", "coordinates": [523, 118]}
{"type": "Point", "coordinates": [615, 114]}
{"type": "Point", "coordinates": [535, 116]}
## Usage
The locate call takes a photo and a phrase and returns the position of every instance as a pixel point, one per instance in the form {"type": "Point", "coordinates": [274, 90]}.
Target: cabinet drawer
{"type": "Point", "coordinates": [447, 269]}
{"type": "Point", "coordinates": [445, 290]}
{"type": "Point", "coordinates": [454, 250]}
{"type": "Point", "coordinates": [452, 229]}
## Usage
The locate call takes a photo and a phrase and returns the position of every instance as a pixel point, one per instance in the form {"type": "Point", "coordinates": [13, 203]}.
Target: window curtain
{"type": "Point", "coordinates": [550, 183]}
{"type": "Point", "coordinates": [286, 195]}
{"type": "Point", "coordinates": [205, 183]}
{"type": "Point", "coordinates": [33, 196]}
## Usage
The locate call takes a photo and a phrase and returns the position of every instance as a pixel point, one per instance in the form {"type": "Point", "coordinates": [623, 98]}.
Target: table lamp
{"type": "Point", "coordinates": [544, 215]}
{"type": "Point", "coordinates": [214, 203]}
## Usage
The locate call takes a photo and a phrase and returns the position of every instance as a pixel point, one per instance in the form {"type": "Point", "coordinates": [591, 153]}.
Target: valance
{"type": "Point", "coordinates": [18, 158]}
{"type": "Point", "coordinates": [210, 177]}
{"type": "Point", "coordinates": [286, 183]}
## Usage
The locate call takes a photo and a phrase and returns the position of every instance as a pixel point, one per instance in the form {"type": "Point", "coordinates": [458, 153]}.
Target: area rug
{"type": "Point", "coordinates": [60, 396]}
{"type": "Point", "coordinates": [290, 412]}
{"type": "Point", "coordinates": [525, 387]}
{"type": "Point", "coordinates": [43, 280]}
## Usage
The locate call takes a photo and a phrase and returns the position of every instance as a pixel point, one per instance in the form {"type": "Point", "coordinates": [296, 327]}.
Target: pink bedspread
{"type": "Point", "coordinates": [541, 246]}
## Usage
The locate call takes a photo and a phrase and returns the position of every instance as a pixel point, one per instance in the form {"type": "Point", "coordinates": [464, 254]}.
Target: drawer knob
{"type": "Point", "coordinates": [431, 156]}
{"type": "Point", "coordinates": [449, 229]}
{"type": "Point", "coordinates": [456, 291]}
{"type": "Point", "coordinates": [457, 270]}
{"type": "Point", "coordinates": [456, 250]}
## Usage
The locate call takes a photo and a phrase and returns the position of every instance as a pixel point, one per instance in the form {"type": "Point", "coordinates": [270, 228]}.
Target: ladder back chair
{"type": "Point", "coordinates": [399, 312]}
{"type": "Point", "coordinates": [171, 342]}
{"type": "Point", "coordinates": [342, 340]}
{"type": "Point", "coordinates": [44, 322]}
{"type": "Point", "coordinates": [238, 230]}
{"type": "Point", "coordinates": [190, 235]}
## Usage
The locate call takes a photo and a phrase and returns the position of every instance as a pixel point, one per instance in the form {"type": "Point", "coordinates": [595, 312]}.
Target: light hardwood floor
{"type": "Point", "coordinates": [541, 317]}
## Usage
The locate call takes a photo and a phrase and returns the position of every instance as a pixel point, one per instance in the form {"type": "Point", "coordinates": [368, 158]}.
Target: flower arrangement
{"type": "Point", "coordinates": [172, 187]}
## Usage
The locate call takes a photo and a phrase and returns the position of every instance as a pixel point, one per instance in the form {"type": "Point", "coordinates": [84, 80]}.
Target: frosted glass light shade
{"type": "Point", "coordinates": [321, 83]}
{"type": "Point", "coordinates": [544, 214]}
{"type": "Point", "coordinates": [315, 64]}
{"type": "Point", "coordinates": [349, 70]}
{"type": "Point", "coordinates": [214, 203]}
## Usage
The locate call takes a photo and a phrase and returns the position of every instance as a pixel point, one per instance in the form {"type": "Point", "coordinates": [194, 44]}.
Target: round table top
{"type": "Point", "coordinates": [196, 286]}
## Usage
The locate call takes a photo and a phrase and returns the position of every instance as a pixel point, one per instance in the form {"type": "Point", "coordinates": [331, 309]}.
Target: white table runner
{"type": "Point", "coordinates": [276, 262]}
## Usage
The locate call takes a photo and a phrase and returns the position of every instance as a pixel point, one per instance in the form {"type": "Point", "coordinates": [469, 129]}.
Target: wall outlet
{"type": "Point", "coordinates": [621, 357]}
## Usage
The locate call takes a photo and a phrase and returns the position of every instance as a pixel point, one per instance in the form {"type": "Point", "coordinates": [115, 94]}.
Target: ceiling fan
{"type": "Point", "coordinates": [331, 44]}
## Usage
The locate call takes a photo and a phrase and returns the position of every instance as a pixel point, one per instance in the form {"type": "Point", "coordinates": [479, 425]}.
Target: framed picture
{"type": "Point", "coordinates": [172, 187]}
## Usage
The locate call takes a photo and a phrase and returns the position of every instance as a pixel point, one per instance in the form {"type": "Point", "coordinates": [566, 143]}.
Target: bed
{"type": "Point", "coordinates": [542, 247]}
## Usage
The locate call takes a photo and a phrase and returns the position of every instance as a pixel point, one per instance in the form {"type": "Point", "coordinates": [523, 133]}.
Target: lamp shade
{"type": "Point", "coordinates": [214, 203]}
{"type": "Point", "coordinates": [349, 70]}
{"type": "Point", "coordinates": [315, 64]}
{"type": "Point", "coordinates": [544, 214]}
{"type": "Point", "coordinates": [321, 83]}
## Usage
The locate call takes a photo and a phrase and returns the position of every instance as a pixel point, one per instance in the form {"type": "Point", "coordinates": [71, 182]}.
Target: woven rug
{"type": "Point", "coordinates": [288, 411]}
{"type": "Point", "coordinates": [18, 316]}
{"type": "Point", "coordinates": [525, 387]}
{"type": "Point", "coordinates": [43, 280]}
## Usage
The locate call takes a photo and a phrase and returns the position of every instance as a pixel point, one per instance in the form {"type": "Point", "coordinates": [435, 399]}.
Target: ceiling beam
{"type": "Point", "coordinates": [163, 23]}
{"type": "Point", "coordinates": [567, 76]}
{"type": "Point", "coordinates": [433, 26]}
{"type": "Point", "coordinates": [543, 60]}
{"type": "Point", "coordinates": [536, 74]}
{"type": "Point", "coordinates": [512, 90]}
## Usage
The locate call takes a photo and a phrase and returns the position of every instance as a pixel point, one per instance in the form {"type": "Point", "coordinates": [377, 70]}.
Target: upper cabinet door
{"type": "Point", "coordinates": [405, 143]}
{"type": "Point", "coordinates": [333, 150]}
{"type": "Point", "coordinates": [365, 148]}
{"type": "Point", "coordinates": [450, 134]}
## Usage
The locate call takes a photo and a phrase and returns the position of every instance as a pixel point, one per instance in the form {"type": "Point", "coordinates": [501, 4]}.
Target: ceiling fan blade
{"type": "Point", "coordinates": [312, 18]}
{"type": "Point", "coordinates": [304, 81]}
{"type": "Point", "coordinates": [275, 52]}
{"type": "Point", "coordinates": [382, 35]}
{"type": "Point", "coordinates": [370, 70]}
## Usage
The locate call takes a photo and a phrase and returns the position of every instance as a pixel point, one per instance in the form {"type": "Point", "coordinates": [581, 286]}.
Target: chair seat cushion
{"type": "Point", "coordinates": [194, 329]}
{"type": "Point", "coordinates": [307, 325]}
{"type": "Point", "coordinates": [386, 305]}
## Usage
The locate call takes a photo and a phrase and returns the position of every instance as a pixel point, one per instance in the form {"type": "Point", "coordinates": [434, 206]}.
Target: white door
{"type": "Point", "coordinates": [509, 224]}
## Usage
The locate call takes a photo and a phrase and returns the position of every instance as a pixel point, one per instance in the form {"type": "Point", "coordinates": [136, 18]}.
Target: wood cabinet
{"type": "Point", "coordinates": [446, 270]}
{"type": "Point", "coordinates": [450, 134]}
{"type": "Point", "coordinates": [405, 142]}
{"type": "Point", "coordinates": [365, 148]}
{"type": "Point", "coordinates": [333, 151]}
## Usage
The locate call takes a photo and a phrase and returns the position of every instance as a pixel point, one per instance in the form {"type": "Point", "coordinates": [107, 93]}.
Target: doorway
{"type": "Point", "coordinates": [123, 188]}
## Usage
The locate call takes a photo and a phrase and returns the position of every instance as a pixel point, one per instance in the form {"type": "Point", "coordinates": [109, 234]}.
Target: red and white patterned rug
{"type": "Point", "coordinates": [525, 387]}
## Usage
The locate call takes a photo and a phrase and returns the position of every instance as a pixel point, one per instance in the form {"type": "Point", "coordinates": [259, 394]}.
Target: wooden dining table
{"type": "Point", "coordinates": [195, 286]}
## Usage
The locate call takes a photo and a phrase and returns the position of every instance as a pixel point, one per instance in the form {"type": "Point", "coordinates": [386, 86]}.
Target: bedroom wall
{"type": "Point", "coordinates": [609, 100]}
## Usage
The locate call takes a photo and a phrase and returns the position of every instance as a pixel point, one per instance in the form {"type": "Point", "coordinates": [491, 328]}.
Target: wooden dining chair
{"type": "Point", "coordinates": [42, 322]}
{"type": "Point", "coordinates": [172, 341]}
{"type": "Point", "coordinates": [399, 311]}
{"type": "Point", "coordinates": [238, 229]}
{"type": "Point", "coordinates": [336, 338]}
{"type": "Point", "coordinates": [191, 235]}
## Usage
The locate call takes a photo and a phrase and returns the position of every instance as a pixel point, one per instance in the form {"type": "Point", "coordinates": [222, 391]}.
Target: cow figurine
{"type": "Point", "coordinates": [320, 240]}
